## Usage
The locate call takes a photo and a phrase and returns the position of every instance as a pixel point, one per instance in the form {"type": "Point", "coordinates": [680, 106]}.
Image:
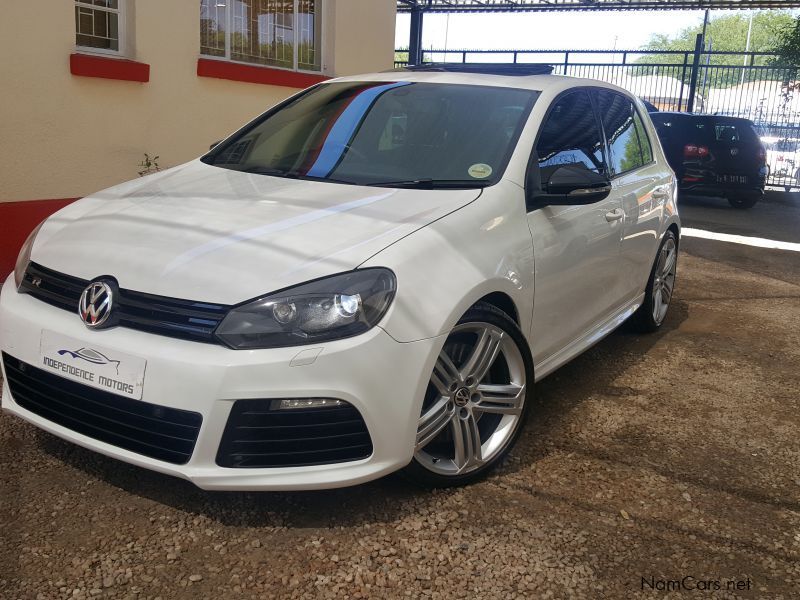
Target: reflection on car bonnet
{"type": "Point", "coordinates": [249, 234]}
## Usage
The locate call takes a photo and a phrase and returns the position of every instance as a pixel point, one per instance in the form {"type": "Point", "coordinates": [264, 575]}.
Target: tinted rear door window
{"type": "Point", "coordinates": [628, 144]}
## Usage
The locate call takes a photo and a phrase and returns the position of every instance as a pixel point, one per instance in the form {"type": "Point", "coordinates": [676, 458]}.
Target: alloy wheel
{"type": "Point", "coordinates": [474, 400]}
{"type": "Point", "coordinates": [664, 279]}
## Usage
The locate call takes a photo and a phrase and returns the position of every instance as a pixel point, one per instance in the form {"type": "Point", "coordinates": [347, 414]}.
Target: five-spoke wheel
{"type": "Point", "coordinates": [475, 401]}
{"type": "Point", "coordinates": [660, 286]}
{"type": "Point", "coordinates": [664, 280]}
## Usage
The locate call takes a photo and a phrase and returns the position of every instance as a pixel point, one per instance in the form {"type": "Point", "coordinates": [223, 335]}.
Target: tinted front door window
{"type": "Point", "coordinates": [570, 136]}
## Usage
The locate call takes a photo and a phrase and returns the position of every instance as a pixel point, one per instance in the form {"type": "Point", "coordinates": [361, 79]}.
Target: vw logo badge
{"type": "Point", "coordinates": [462, 397]}
{"type": "Point", "coordinates": [734, 151]}
{"type": "Point", "coordinates": [95, 304]}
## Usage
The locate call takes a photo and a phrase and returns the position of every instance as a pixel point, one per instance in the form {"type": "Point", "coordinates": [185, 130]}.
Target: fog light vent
{"type": "Point", "coordinates": [293, 432]}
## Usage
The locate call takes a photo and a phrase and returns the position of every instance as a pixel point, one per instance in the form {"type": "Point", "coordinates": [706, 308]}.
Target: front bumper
{"type": "Point", "coordinates": [384, 379]}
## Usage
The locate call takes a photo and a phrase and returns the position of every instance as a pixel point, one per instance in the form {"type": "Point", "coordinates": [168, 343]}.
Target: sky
{"type": "Point", "coordinates": [597, 30]}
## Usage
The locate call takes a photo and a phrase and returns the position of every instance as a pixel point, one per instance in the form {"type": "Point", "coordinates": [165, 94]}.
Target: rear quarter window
{"type": "Point", "coordinates": [644, 138]}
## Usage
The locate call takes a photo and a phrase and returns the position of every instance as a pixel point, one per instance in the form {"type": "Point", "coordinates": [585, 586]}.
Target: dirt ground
{"type": "Point", "coordinates": [653, 466]}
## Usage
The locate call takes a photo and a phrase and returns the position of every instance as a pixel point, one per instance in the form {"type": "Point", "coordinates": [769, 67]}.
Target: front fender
{"type": "Point", "coordinates": [447, 266]}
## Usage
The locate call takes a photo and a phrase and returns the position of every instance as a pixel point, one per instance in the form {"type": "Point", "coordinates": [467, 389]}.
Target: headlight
{"type": "Point", "coordinates": [24, 256]}
{"type": "Point", "coordinates": [331, 308]}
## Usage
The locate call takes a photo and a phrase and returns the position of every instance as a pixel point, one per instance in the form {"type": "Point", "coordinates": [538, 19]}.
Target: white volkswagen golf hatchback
{"type": "Point", "coordinates": [367, 278]}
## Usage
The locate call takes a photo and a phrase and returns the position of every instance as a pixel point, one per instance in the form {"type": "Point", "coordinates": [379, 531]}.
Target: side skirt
{"type": "Point", "coordinates": [566, 354]}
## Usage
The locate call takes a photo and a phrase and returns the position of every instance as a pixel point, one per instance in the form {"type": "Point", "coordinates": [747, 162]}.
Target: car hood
{"type": "Point", "coordinates": [205, 233]}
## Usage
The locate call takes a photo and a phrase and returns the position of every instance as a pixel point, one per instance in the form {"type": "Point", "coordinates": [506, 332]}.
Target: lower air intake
{"type": "Point", "coordinates": [163, 433]}
{"type": "Point", "coordinates": [259, 435]}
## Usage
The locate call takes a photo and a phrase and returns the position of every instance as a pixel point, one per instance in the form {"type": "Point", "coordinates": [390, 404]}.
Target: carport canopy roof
{"type": "Point", "coordinates": [453, 6]}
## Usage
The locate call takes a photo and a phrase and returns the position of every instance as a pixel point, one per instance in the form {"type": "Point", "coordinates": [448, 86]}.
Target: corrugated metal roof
{"type": "Point", "coordinates": [583, 5]}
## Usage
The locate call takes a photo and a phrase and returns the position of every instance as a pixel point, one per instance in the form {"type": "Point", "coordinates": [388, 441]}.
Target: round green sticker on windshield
{"type": "Point", "coordinates": [480, 171]}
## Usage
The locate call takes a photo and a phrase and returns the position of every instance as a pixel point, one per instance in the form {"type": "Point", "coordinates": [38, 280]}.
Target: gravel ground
{"type": "Point", "coordinates": [646, 460]}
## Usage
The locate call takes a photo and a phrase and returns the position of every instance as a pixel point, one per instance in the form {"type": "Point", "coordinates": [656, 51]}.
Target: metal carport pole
{"type": "Point", "coordinates": [415, 40]}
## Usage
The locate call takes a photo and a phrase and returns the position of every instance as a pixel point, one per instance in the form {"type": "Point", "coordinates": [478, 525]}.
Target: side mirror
{"type": "Point", "coordinates": [214, 145]}
{"type": "Point", "coordinates": [572, 184]}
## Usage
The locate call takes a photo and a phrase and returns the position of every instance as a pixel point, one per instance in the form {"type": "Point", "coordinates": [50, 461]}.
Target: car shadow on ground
{"type": "Point", "coordinates": [591, 373]}
{"type": "Point", "coordinates": [771, 198]}
{"type": "Point", "coordinates": [386, 499]}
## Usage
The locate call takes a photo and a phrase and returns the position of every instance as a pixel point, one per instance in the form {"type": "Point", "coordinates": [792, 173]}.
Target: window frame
{"type": "Point", "coordinates": [295, 69]}
{"type": "Point", "coordinates": [121, 12]}
{"type": "Point", "coordinates": [533, 161]}
{"type": "Point", "coordinates": [652, 161]}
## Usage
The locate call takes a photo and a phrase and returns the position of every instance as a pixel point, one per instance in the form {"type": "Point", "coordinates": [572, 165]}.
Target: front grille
{"type": "Point", "coordinates": [256, 435]}
{"type": "Point", "coordinates": [173, 317]}
{"type": "Point", "coordinates": [167, 434]}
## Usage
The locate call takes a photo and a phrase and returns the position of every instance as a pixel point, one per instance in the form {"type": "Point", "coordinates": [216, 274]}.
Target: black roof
{"type": "Point", "coordinates": [649, 105]}
{"type": "Point", "coordinates": [517, 69]}
{"type": "Point", "coordinates": [685, 115]}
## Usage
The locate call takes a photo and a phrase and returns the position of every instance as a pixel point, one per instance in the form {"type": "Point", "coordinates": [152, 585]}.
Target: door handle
{"type": "Point", "coordinates": [615, 215]}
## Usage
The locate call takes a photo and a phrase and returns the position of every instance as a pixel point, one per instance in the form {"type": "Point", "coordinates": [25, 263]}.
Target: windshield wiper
{"type": "Point", "coordinates": [433, 184]}
{"type": "Point", "coordinates": [416, 184]}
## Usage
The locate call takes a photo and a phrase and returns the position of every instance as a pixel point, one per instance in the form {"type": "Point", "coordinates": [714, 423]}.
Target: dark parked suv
{"type": "Point", "coordinates": [714, 156]}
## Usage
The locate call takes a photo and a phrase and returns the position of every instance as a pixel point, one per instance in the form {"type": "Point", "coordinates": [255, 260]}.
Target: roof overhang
{"type": "Point", "coordinates": [462, 6]}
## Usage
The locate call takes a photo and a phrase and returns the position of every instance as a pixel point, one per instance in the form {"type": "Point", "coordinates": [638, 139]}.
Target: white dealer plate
{"type": "Point", "coordinates": [92, 365]}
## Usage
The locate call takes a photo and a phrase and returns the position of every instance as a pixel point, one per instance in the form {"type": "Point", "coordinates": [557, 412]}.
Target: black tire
{"type": "Point", "coordinates": [481, 313]}
{"type": "Point", "coordinates": [743, 201]}
{"type": "Point", "coordinates": [644, 320]}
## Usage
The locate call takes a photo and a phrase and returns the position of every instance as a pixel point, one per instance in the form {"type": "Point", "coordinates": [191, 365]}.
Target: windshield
{"type": "Point", "coordinates": [377, 133]}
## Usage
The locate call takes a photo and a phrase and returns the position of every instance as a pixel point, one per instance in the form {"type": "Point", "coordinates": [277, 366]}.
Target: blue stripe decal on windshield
{"type": "Point", "coordinates": [344, 128]}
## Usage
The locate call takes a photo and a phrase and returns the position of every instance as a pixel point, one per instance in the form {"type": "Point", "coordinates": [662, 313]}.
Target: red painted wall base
{"type": "Point", "coordinates": [208, 67]}
{"type": "Point", "coordinates": [105, 67]}
{"type": "Point", "coordinates": [17, 220]}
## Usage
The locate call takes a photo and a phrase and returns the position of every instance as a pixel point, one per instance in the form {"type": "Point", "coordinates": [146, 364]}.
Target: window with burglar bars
{"type": "Point", "coordinates": [98, 25]}
{"type": "Point", "coordinates": [274, 33]}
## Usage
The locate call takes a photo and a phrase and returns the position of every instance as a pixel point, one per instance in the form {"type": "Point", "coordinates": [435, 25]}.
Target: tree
{"type": "Point", "coordinates": [727, 33]}
{"type": "Point", "coordinates": [788, 47]}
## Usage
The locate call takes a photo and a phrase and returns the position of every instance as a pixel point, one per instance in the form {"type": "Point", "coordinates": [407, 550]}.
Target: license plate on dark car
{"type": "Point", "coordinates": [741, 179]}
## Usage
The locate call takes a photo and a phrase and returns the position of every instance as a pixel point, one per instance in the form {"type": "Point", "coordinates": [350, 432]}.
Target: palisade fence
{"type": "Point", "coordinates": [739, 84]}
